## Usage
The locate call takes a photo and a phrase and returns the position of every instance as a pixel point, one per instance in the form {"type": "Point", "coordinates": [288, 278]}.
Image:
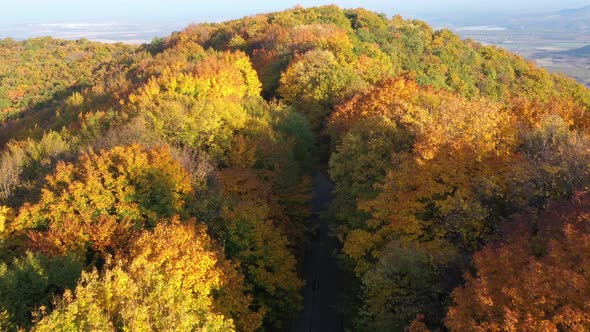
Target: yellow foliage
{"type": "Point", "coordinates": [165, 284]}
{"type": "Point", "coordinates": [219, 75]}
{"type": "Point", "coordinates": [97, 202]}
{"type": "Point", "coordinates": [6, 216]}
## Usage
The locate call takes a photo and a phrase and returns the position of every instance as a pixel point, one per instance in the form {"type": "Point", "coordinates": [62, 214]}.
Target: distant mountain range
{"type": "Point", "coordinates": [570, 20]}
{"type": "Point", "coordinates": [576, 12]}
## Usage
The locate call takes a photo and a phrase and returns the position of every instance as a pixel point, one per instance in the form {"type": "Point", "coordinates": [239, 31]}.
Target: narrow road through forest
{"type": "Point", "coordinates": [320, 270]}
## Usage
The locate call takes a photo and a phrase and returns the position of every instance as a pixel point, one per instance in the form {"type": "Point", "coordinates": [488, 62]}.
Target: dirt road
{"type": "Point", "coordinates": [321, 272]}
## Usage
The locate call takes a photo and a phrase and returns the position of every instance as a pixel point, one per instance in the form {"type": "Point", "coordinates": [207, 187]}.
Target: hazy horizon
{"type": "Point", "coordinates": [63, 10]}
{"type": "Point", "coordinates": [135, 21]}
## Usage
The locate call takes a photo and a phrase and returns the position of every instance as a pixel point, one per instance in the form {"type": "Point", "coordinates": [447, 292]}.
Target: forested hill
{"type": "Point", "coordinates": [167, 186]}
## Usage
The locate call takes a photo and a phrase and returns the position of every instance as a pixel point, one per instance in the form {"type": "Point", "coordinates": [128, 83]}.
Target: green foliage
{"type": "Point", "coordinates": [26, 161]}
{"type": "Point", "coordinates": [37, 71]}
{"type": "Point", "coordinates": [316, 78]}
{"type": "Point", "coordinates": [315, 82]}
{"type": "Point", "coordinates": [407, 281]}
{"type": "Point", "coordinates": [30, 283]}
{"type": "Point", "coordinates": [295, 127]}
{"type": "Point", "coordinates": [252, 234]}
{"type": "Point", "coordinates": [359, 161]}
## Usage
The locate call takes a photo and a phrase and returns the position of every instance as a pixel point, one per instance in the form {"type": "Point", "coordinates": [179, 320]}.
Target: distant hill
{"type": "Point", "coordinates": [582, 52]}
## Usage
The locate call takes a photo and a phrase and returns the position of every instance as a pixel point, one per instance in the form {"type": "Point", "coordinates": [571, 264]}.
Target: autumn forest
{"type": "Point", "coordinates": [168, 186]}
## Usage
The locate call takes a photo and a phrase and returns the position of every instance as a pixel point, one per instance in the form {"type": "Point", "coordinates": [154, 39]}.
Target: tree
{"type": "Point", "coordinates": [435, 143]}
{"type": "Point", "coordinates": [254, 234]}
{"type": "Point", "coordinates": [361, 160]}
{"type": "Point", "coordinates": [6, 216]}
{"type": "Point", "coordinates": [166, 282]}
{"type": "Point", "coordinates": [408, 280]}
{"type": "Point", "coordinates": [417, 162]}
{"type": "Point", "coordinates": [32, 281]}
{"type": "Point", "coordinates": [532, 281]}
{"type": "Point", "coordinates": [200, 104]}
{"type": "Point", "coordinates": [558, 160]}
{"type": "Point", "coordinates": [391, 98]}
{"type": "Point", "coordinates": [94, 206]}
{"type": "Point", "coordinates": [220, 75]}
{"type": "Point", "coordinates": [43, 71]}
{"type": "Point", "coordinates": [315, 81]}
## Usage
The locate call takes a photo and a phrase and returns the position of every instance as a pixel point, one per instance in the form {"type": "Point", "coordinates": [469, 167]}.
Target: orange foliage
{"type": "Point", "coordinates": [533, 282]}
{"type": "Point", "coordinates": [435, 117]}
{"type": "Point", "coordinates": [98, 202]}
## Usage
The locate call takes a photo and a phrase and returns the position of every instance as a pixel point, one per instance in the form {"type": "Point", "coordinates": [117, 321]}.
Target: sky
{"type": "Point", "coordinates": [52, 11]}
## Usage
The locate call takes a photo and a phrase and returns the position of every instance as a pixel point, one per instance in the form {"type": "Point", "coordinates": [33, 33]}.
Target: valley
{"type": "Point", "coordinates": [549, 39]}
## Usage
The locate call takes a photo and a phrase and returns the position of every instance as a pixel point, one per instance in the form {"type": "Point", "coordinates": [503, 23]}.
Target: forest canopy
{"type": "Point", "coordinates": [168, 186]}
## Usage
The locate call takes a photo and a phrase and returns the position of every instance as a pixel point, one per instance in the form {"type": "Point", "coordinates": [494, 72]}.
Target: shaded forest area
{"type": "Point", "coordinates": [168, 186]}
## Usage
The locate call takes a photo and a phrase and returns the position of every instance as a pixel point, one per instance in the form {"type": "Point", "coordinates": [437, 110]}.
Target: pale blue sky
{"type": "Point", "coordinates": [28, 11]}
